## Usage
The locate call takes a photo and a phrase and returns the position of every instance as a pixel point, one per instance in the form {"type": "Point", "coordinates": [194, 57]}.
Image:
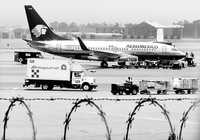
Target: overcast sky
{"type": "Point", "coordinates": [109, 11]}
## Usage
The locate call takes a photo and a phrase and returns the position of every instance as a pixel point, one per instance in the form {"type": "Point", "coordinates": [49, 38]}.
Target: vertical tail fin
{"type": "Point", "coordinates": [38, 28]}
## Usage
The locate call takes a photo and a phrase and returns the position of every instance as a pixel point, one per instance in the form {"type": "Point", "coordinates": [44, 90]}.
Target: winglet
{"type": "Point", "coordinates": [83, 46]}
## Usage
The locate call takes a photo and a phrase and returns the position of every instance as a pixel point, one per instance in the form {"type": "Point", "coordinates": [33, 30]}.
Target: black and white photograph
{"type": "Point", "coordinates": [99, 70]}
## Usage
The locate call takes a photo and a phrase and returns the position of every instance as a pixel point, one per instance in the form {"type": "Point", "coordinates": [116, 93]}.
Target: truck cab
{"type": "Point", "coordinates": [79, 79]}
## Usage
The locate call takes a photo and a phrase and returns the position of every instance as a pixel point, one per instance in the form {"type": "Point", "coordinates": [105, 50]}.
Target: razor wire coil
{"type": "Point", "coordinates": [100, 99]}
{"type": "Point", "coordinates": [91, 102]}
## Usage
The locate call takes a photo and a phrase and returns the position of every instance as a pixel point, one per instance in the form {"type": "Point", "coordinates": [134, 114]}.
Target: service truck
{"type": "Point", "coordinates": [50, 73]}
{"type": "Point", "coordinates": [182, 85]}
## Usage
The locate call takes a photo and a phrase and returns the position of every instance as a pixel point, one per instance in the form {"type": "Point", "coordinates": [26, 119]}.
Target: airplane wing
{"type": "Point", "coordinates": [108, 56]}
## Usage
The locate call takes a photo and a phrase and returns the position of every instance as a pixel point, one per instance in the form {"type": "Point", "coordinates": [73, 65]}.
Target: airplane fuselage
{"type": "Point", "coordinates": [143, 50]}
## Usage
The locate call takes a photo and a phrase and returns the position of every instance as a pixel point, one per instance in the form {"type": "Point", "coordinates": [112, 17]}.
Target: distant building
{"type": "Point", "coordinates": [91, 35]}
{"type": "Point", "coordinates": [148, 30]}
{"type": "Point", "coordinates": [145, 30]}
{"type": "Point", "coordinates": [196, 29]}
{"type": "Point", "coordinates": [6, 33]}
{"type": "Point", "coordinates": [191, 30]}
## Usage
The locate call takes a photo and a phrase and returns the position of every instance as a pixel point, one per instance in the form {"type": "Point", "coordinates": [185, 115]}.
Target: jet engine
{"type": "Point", "coordinates": [127, 59]}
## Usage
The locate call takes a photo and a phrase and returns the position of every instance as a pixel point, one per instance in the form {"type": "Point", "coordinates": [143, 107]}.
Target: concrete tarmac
{"type": "Point", "coordinates": [149, 122]}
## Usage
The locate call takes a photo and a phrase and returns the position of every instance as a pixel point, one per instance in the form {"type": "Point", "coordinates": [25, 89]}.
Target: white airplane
{"type": "Point", "coordinates": [44, 39]}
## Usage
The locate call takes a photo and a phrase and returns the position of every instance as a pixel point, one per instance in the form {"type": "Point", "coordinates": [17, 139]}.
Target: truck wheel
{"type": "Point", "coordinates": [127, 92]}
{"type": "Point", "coordinates": [177, 91]}
{"type": "Point", "coordinates": [189, 92]}
{"type": "Point", "coordinates": [47, 87]}
{"type": "Point", "coordinates": [50, 87]}
{"type": "Point", "coordinates": [164, 91]}
{"type": "Point", "coordinates": [182, 92]}
{"type": "Point", "coordinates": [86, 87]}
{"type": "Point", "coordinates": [158, 91]}
{"type": "Point", "coordinates": [114, 92]}
{"type": "Point", "coordinates": [120, 92]}
{"type": "Point", "coordinates": [134, 92]}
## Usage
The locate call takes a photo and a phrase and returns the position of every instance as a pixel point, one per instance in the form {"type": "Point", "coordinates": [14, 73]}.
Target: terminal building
{"type": "Point", "coordinates": [148, 30]}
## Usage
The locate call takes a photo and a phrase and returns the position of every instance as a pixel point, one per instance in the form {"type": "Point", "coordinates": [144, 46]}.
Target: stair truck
{"type": "Point", "coordinates": [50, 73]}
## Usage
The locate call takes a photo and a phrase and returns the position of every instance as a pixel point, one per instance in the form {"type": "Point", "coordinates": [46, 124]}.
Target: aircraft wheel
{"type": "Point", "coordinates": [104, 64]}
{"type": "Point", "coordinates": [50, 87]}
{"type": "Point", "coordinates": [44, 86]}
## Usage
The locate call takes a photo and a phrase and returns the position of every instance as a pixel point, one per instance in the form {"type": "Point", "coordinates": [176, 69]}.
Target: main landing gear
{"type": "Point", "coordinates": [104, 64]}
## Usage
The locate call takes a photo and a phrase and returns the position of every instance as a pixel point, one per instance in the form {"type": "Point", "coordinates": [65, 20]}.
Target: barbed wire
{"type": "Point", "coordinates": [6, 118]}
{"type": "Point", "coordinates": [89, 102]}
{"type": "Point", "coordinates": [185, 117]}
{"type": "Point", "coordinates": [140, 104]}
{"type": "Point", "coordinates": [101, 99]}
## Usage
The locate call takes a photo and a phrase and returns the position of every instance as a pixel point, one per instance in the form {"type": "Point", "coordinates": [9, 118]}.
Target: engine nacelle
{"type": "Point", "coordinates": [127, 60]}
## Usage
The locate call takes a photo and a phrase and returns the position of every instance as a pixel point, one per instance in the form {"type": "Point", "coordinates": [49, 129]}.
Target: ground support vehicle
{"type": "Point", "coordinates": [165, 64]}
{"type": "Point", "coordinates": [190, 61]}
{"type": "Point", "coordinates": [148, 87]}
{"type": "Point", "coordinates": [151, 64]}
{"type": "Point", "coordinates": [185, 85]}
{"type": "Point", "coordinates": [153, 86]}
{"type": "Point", "coordinates": [179, 64]}
{"type": "Point", "coordinates": [50, 73]}
{"type": "Point", "coordinates": [127, 88]}
{"type": "Point", "coordinates": [147, 64]}
{"type": "Point", "coordinates": [22, 56]}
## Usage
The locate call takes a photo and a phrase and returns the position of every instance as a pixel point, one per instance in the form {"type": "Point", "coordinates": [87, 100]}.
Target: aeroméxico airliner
{"type": "Point", "coordinates": [44, 39]}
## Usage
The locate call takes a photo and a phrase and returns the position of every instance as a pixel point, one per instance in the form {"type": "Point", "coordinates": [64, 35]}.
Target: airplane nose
{"type": "Point", "coordinates": [181, 54]}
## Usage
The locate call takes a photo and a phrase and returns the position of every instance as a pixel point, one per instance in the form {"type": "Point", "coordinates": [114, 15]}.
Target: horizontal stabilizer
{"type": "Point", "coordinates": [36, 43]}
